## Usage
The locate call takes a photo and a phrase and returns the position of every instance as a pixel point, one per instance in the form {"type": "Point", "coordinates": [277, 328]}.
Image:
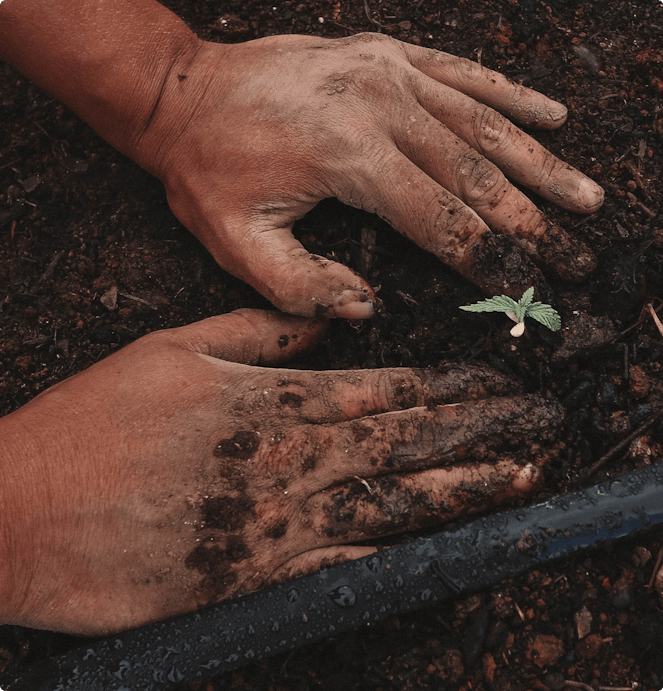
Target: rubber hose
{"type": "Point", "coordinates": [421, 573]}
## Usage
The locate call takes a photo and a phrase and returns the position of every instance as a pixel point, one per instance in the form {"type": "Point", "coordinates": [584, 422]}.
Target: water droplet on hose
{"type": "Point", "coordinates": [292, 595]}
{"type": "Point", "coordinates": [275, 626]}
{"type": "Point", "coordinates": [378, 587]}
{"type": "Point", "coordinates": [374, 563]}
{"type": "Point", "coordinates": [398, 581]}
{"type": "Point", "coordinates": [425, 595]}
{"type": "Point", "coordinates": [343, 596]}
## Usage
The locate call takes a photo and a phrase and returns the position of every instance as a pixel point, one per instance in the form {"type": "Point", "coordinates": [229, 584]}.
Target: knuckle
{"type": "Point", "coordinates": [492, 132]}
{"type": "Point", "coordinates": [465, 70]}
{"type": "Point", "coordinates": [481, 182]}
{"type": "Point", "coordinates": [451, 228]}
{"type": "Point", "coordinates": [399, 390]}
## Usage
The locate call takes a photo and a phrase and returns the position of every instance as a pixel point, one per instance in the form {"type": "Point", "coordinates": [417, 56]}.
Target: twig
{"type": "Point", "coordinates": [637, 323]}
{"type": "Point", "coordinates": [50, 269]}
{"type": "Point", "coordinates": [619, 688]}
{"type": "Point", "coordinates": [8, 165]}
{"type": "Point", "coordinates": [657, 321]}
{"type": "Point", "coordinates": [370, 19]}
{"type": "Point", "coordinates": [659, 563]}
{"type": "Point", "coordinates": [137, 299]}
{"type": "Point", "coordinates": [624, 443]}
{"type": "Point", "coordinates": [347, 28]}
{"type": "Point", "coordinates": [578, 685]}
{"type": "Point", "coordinates": [363, 482]}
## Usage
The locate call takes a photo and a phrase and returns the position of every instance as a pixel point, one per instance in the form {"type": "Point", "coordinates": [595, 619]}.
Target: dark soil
{"type": "Point", "coordinates": [76, 219]}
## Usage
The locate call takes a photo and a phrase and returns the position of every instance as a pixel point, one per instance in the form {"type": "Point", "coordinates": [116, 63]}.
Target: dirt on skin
{"type": "Point", "coordinates": [78, 220]}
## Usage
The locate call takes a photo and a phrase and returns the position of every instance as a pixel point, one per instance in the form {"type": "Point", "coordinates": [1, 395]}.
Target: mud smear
{"type": "Point", "coordinates": [242, 445]}
{"type": "Point", "coordinates": [292, 400]}
{"type": "Point", "coordinates": [568, 257]}
{"type": "Point", "coordinates": [453, 383]}
{"type": "Point", "coordinates": [498, 267]}
{"type": "Point", "coordinates": [217, 565]}
{"type": "Point", "coordinates": [227, 513]}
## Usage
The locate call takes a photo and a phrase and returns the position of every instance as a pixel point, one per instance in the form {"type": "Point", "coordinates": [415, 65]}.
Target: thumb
{"type": "Point", "coordinates": [252, 337]}
{"type": "Point", "coordinates": [279, 267]}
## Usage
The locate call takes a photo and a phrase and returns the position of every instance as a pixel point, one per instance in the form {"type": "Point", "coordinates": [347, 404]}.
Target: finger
{"type": "Point", "coordinates": [519, 103]}
{"type": "Point", "coordinates": [316, 560]}
{"type": "Point", "coordinates": [412, 202]}
{"type": "Point", "coordinates": [423, 438]}
{"type": "Point", "coordinates": [458, 167]}
{"type": "Point", "coordinates": [252, 337]}
{"type": "Point", "coordinates": [279, 267]}
{"type": "Point", "coordinates": [520, 156]}
{"type": "Point", "coordinates": [394, 504]}
{"type": "Point", "coordinates": [331, 397]}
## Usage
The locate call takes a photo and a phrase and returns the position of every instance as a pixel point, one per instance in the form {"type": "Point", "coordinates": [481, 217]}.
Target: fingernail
{"type": "Point", "coordinates": [557, 112]}
{"type": "Point", "coordinates": [526, 478]}
{"type": "Point", "coordinates": [590, 195]}
{"type": "Point", "coordinates": [354, 304]}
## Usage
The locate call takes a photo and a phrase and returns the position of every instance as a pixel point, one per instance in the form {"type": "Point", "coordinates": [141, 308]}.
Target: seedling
{"type": "Point", "coordinates": [517, 311]}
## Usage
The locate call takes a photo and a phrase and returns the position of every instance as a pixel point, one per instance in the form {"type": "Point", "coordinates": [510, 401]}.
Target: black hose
{"type": "Point", "coordinates": [419, 574]}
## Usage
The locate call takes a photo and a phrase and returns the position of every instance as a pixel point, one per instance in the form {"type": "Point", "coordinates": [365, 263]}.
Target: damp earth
{"type": "Point", "coordinates": [91, 259]}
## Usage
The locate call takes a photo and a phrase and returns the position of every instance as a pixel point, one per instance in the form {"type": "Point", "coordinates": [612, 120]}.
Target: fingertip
{"type": "Point", "coordinates": [354, 304]}
{"type": "Point", "coordinates": [590, 195]}
{"type": "Point", "coordinates": [539, 111]}
{"type": "Point", "coordinates": [526, 478]}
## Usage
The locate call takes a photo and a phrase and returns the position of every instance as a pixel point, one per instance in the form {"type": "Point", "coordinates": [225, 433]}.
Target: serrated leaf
{"type": "Point", "coordinates": [545, 315]}
{"type": "Point", "coordinates": [499, 303]}
{"type": "Point", "coordinates": [524, 302]}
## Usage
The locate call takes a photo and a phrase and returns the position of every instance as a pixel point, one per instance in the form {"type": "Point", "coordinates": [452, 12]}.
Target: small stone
{"type": "Point", "coordinates": [544, 650]}
{"type": "Point", "coordinates": [582, 334]}
{"type": "Point", "coordinates": [109, 299]}
{"type": "Point", "coordinates": [527, 542]}
{"type": "Point", "coordinates": [489, 667]}
{"type": "Point", "coordinates": [639, 384]}
{"type": "Point", "coordinates": [621, 594]}
{"type": "Point", "coordinates": [587, 59]}
{"type": "Point", "coordinates": [640, 451]}
{"type": "Point", "coordinates": [31, 183]}
{"type": "Point", "coordinates": [230, 27]}
{"type": "Point", "coordinates": [640, 557]}
{"type": "Point", "coordinates": [619, 423]}
{"type": "Point", "coordinates": [589, 648]}
{"type": "Point", "coordinates": [583, 620]}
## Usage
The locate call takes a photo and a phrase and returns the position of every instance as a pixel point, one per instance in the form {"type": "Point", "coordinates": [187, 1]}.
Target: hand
{"type": "Point", "coordinates": [170, 475]}
{"type": "Point", "coordinates": [248, 138]}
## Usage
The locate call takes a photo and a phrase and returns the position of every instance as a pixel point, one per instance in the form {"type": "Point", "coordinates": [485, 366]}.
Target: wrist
{"type": "Point", "coordinates": [107, 60]}
{"type": "Point", "coordinates": [15, 487]}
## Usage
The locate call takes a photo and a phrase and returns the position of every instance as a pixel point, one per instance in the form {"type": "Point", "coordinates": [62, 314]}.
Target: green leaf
{"type": "Point", "coordinates": [499, 303]}
{"type": "Point", "coordinates": [524, 302]}
{"type": "Point", "coordinates": [544, 314]}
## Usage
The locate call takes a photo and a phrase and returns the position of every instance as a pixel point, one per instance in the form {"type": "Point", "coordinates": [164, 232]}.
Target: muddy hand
{"type": "Point", "coordinates": [258, 133]}
{"type": "Point", "coordinates": [170, 476]}
{"type": "Point", "coordinates": [247, 138]}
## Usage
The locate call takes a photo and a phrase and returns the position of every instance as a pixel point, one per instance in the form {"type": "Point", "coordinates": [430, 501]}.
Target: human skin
{"type": "Point", "coordinates": [155, 482]}
{"type": "Point", "coordinates": [247, 138]}
{"type": "Point", "coordinates": [181, 470]}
